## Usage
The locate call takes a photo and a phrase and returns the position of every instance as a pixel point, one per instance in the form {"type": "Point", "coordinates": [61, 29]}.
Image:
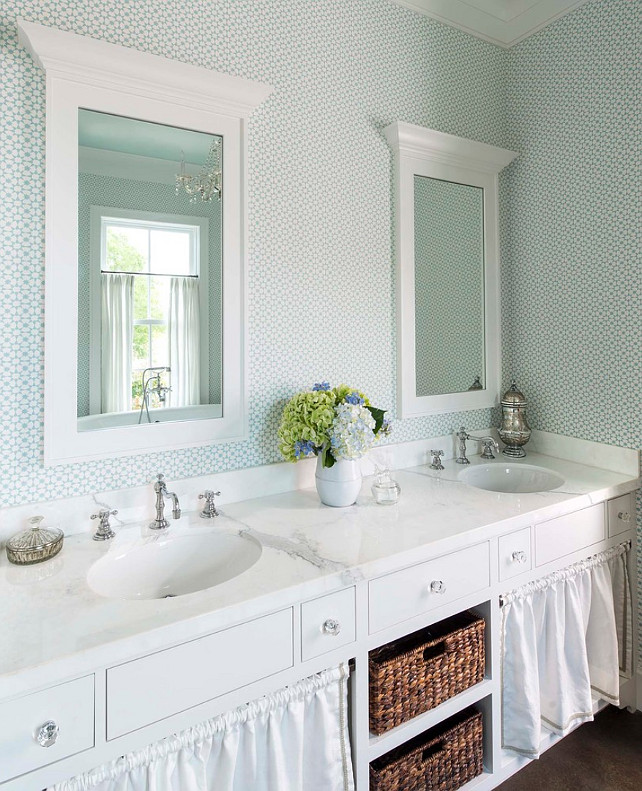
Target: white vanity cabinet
{"type": "Point", "coordinates": [124, 706]}
{"type": "Point", "coordinates": [170, 681]}
{"type": "Point", "coordinates": [47, 726]}
{"type": "Point", "coordinates": [421, 588]}
{"type": "Point", "coordinates": [570, 533]}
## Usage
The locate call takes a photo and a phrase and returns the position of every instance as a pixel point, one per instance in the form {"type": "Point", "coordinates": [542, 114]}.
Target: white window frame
{"type": "Point", "coordinates": [97, 240]}
{"type": "Point", "coordinates": [82, 72]}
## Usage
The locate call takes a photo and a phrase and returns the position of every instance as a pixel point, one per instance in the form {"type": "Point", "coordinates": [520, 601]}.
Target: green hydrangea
{"type": "Point", "coordinates": [342, 391]}
{"type": "Point", "coordinates": [306, 422]}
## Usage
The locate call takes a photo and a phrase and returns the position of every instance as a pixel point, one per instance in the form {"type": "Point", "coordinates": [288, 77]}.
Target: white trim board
{"type": "Point", "coordinates": [501, 22]}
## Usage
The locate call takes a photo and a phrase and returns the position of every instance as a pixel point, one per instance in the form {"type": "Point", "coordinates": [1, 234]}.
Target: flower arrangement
{"type": "Point", "coordinates": [334, 423]}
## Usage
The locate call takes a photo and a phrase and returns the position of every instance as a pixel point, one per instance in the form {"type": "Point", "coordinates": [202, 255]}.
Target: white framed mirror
{"type": "Point", "coordinates": [447, 270]}
{"type": "Point", "coordinates": [145, 249]}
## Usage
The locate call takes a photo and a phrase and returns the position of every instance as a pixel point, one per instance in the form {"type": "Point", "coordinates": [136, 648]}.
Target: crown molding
{"type": "Point", "coordinates": [501, 22]}
{"type": "Point", "coordinates": [98, 62]}
{"type": "Point", "coordinates": [448, 149]}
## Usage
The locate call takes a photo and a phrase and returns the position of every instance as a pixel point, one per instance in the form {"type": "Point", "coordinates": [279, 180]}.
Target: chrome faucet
{"type": "Point", "coordinates": [488, 444]}
{"type": "Point", "coordinates": [462, 436]}
{"type": "Point", "coordinates": [160, 487]}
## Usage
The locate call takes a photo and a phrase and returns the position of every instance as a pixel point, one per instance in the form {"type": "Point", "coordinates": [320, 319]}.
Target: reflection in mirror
{"type": "Point", "coordinates": [449, 286]}
{"type": "Point", "coordinates": [149, 272]}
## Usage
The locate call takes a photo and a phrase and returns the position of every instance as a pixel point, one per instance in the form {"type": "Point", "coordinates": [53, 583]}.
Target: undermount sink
{"type": "Point", "coordinates": [164, 566]}
{"type": "Point", "coordinates": [514, 478]}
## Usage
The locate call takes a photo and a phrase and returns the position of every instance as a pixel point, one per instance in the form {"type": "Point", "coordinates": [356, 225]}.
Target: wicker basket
{"type": "Point", "coordinates": [422, 670]}
{"type": "Point", "coordinates": [442, 759]}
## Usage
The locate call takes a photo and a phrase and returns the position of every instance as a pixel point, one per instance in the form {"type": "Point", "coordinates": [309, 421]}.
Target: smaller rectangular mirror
{"type": "Point", "coordinates": [447, 270]}
{"type": "Point", "coordinates": [449, 287]}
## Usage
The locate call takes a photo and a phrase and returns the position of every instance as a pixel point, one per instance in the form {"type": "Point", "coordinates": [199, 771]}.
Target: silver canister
{"type": "Point", "coordinates": [514, 431]}
{"type": "Point", "coordinates": [34, 545]}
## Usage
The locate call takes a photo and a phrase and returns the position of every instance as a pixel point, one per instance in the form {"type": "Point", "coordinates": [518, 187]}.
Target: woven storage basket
{"type": "Point", "coordinates": [442, 759]}
{"type": "Point", "coordinates": [422, 670]}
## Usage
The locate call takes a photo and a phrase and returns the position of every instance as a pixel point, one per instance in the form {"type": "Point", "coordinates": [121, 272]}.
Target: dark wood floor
{"type": "Point", "coordinates": [605, 755]}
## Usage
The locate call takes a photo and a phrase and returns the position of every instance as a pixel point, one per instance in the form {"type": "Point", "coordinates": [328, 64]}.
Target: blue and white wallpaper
{"type": "Point", "coordinates": [321, 301]}
{"type": "Point", "coordinates": [571, 212]}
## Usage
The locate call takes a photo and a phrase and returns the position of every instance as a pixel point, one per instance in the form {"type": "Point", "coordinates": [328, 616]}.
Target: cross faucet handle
{"type": "Point", "coordinates": [209, 509]}
{"type": "Point", "coordinates": [436, 460]}
{"type": "Point", "coordinates": [104, 528]}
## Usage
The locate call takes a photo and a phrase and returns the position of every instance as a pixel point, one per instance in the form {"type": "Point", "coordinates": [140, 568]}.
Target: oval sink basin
{"type": "Point", "coordinates": [514, 478]}
{"type": "Point", "coordinates": [165, 566]}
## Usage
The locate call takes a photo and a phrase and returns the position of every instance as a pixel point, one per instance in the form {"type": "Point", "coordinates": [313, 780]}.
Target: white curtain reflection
{"type": "Point", "coordinates": [184, 341]}
{"type": "Point", "coordinates": [117, 332]}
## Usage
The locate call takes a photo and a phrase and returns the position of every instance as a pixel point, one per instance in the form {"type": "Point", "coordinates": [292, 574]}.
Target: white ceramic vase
{"type": "Point", "coordinates": [340, 484]}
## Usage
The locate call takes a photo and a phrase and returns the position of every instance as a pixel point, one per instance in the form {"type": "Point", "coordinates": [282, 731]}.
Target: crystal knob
{"type": "Point", "coordinates": [625, 516]}
{"type": "Point", "coordinates": [437, 586]}
{"type": "Point", "coordinates": [331, 627]}
{"type": "Point", "coordinates": [47, 734]}
{"type": "Point", "coordinates": [519, 557]}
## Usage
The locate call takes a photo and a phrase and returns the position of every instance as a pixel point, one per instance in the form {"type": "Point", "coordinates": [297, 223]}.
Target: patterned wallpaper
{"type": "Point", "coordinates": [449, 285]}
{"type": "Point", "coordinates": [321, 300]}
{"type": "Point", "coordinates": [145, 196]}
{"type": "Point", "coordinates": [571, 209]}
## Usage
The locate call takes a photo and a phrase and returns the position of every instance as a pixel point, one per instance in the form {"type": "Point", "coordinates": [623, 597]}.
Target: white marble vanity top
{"type": "Point", "coordinates": [50, 619]}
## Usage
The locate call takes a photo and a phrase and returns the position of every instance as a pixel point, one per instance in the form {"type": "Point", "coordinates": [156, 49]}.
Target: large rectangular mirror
{"type": "Point", "coordinates": [447, 270]}
{"type": "Point", "coordinates": [149, 272]}
{"type": "Point", "coordinates": [145, 249]}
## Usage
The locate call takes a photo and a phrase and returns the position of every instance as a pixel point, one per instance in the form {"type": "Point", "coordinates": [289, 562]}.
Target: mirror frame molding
{"type": "Point", "coordinates": [96, 75]}
{"type": "Point", "coordinates": [420, 151]}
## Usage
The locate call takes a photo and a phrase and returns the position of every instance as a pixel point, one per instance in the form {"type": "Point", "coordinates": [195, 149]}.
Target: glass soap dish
{"type": "Point", "coordinates": [385, 490]}
{"type": "Point", "coordinates": [34, 545]}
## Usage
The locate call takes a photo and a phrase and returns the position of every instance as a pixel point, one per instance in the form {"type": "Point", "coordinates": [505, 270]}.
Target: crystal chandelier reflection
{"type": "Point", "coordinates": [208, 183]}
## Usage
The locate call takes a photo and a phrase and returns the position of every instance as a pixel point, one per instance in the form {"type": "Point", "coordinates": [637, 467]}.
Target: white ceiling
{"type": "Point", "coordinates": [503, 22]}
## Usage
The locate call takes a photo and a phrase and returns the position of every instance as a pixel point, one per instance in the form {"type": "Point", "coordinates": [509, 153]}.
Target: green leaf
{"type": "Point", "coordinates": [327, 459]}
{"type": "Point", "coordinates": [377, 414]}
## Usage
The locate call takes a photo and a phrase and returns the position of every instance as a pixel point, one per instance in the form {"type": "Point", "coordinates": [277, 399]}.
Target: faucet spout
{"type": "Point", "coordinates": [160, 488]}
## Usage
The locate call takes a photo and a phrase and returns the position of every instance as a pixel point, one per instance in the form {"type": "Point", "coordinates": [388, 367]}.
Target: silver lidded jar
{"type": "Point", "coordinates": [514, 431]}
{"type": "Point", "coordinates": [35, 544]}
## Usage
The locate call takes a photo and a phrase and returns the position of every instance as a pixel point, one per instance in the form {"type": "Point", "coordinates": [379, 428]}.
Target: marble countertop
{"type": "Point", "coordinates": [54, 625]}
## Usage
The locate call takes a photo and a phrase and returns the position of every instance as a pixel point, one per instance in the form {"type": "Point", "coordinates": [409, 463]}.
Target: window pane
{"type": "Point", "coordinates": [126, 249]}
{"type": "Point", "coordinates": [141, 297]}
{"type": "Point", "coordinates": [159, 297]}
{"type": "Point", "coordinates": [170, 252]}
{"type": "Point", "coordinates": [140, 357]}
{"type": "Point", "coordinates": [160, 345]}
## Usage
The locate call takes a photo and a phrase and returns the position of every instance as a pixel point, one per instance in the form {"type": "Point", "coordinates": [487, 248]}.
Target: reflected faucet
{"type": "Point", "coordinates": [151, 380]}
{"type": "Point", "coordinates": [160, 487]}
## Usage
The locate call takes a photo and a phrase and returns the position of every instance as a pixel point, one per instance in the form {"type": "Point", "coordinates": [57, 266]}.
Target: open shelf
{"type": "Point", "coordinates": [378, 745]}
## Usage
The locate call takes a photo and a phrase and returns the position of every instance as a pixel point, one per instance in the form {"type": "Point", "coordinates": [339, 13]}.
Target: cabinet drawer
{"type": "Point", "coordinates": [569, 533]}
{"type": "Point", "coordinates": [418, 589]}
{"type": "Point", "coordinates": [515, 554]}
{"type": "Point", "coordinates": [327, 623]}
{"type": "Point", "coordinates": [70, 706]}
{"type": "Point", "coordinates": [621, 514]}
{"type": "Point", "coordinates": [178, 678]}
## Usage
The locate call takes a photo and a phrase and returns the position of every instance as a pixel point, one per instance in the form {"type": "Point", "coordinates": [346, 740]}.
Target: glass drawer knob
{"type": "Point", "coordinates": [331, 627]}
{"type": "Point", "coordinates": [519, 557]}
{"type": "Point", "coordinates": [47, 734]}
{"type": "Point", "coordinates": [437, 586]}
{"type": "Point", "coordinates": [625, 516]}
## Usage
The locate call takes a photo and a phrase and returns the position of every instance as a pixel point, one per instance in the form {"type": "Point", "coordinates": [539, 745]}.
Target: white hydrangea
{"type": "Point", "coordinates": [352, 433]}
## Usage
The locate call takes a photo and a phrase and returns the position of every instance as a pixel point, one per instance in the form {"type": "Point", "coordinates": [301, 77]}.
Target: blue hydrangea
{"type": "Point", "coordinates": [355, 398]}
{"type": "Point", "coordinates": [303, 448]}
{"type": "Point", "coordinates": [321, 386]}
{"type": "Point", "coordinates": [352, 432]}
